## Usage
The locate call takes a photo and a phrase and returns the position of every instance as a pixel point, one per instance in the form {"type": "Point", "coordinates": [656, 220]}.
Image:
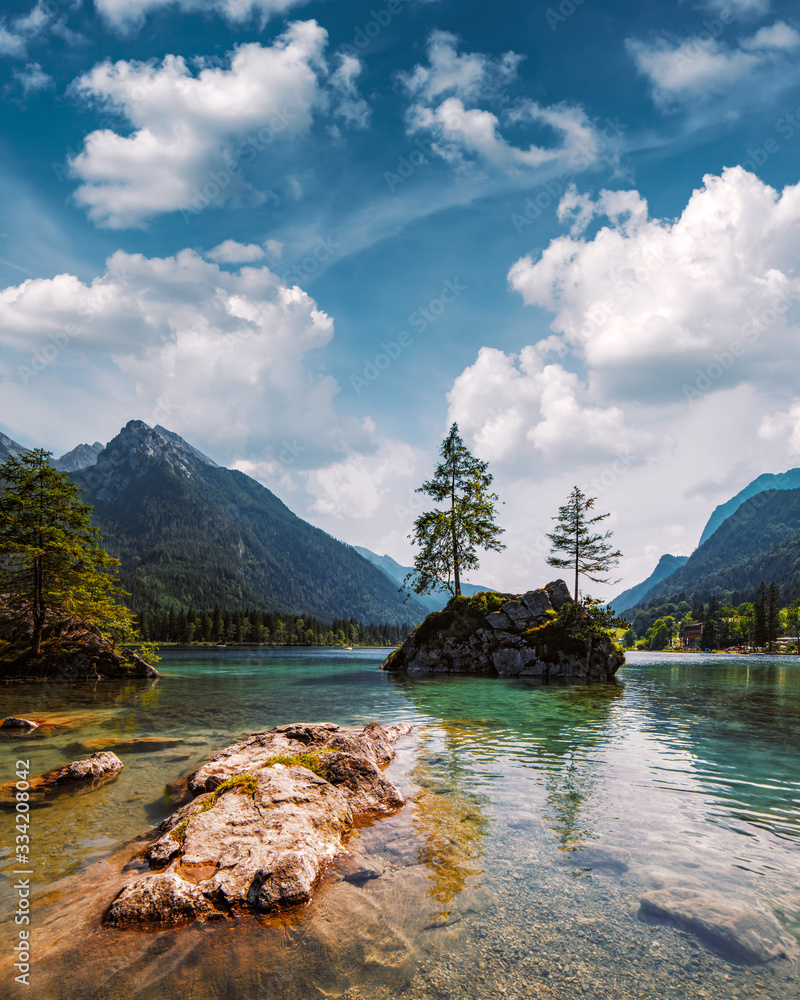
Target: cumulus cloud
{"type": "Point", "coordinates": [702, 67]}
{"type": "Point", "coordinates": [660, 309]}
{"type": "Point", "coordinates": [231, 252]}
{"type": "Point", "coordinates": [514, 407]}
{"type": "Point", "coordinates": [444, 96]}
{"type": "Point", "coordinates": [783, 427]}
{"type": "Point", "coordinates": [348, 102]}
{"type": "Point", "coordinates": [225, 357]}
{"type": "Point", "coordinates": [192, 134]}
{"type": "Point", "coordinates": [24, 29]}
{"type": "Point", "coordinates": [357, 486]}
{"type": "Point", "coordinates": [466, 75]}
{"type": "Point", "coordinates": [33, 78]}
{"type": "Point", "coordinates": [126, 15]}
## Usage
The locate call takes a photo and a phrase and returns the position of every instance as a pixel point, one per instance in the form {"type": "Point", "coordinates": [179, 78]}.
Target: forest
{"type": "Point", "coordinates": [233, 626]}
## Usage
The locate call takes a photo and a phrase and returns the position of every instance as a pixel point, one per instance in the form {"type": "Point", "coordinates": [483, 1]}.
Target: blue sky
{"type": "Point", "coordinates": [309, 236]}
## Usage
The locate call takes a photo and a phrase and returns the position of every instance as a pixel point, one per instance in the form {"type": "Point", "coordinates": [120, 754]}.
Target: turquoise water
{"type": "Point", "coordinates": [686, 772]}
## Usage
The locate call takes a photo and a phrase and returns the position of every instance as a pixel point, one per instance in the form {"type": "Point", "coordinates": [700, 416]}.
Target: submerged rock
{"type": "Point", "coordinates": [509, 636]}
{"type": "Point", "coordinates": [269, 814]}
{"type": "Point", "coordinates": [13, 723]}
{"type": "Point", "coordinates": [747, 932]}
{"type": "Point", "coordinates": [79, 775]}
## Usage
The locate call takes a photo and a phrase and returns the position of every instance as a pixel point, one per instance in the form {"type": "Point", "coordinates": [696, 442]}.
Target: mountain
{"type": "Point", "coordinates": [782, 481]}
{"type": "Point", "coordinates": [759, 541]}
{"type": "Point", "coordinates": [190, 532]}
{"type": "Point", "coordinates": [9, 448]}
{"type": "Point", "coordinates": [398, 573]}
{"type": "Point", "coordinates": [667, 565]}
{"type": "Point", "coordinates": [82, 457]}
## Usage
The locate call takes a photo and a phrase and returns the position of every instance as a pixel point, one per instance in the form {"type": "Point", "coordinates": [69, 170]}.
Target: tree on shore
{"type": "Point", "coordinates": [52, 566]}
{"type": "Point", "coordinates": [586, 553]}
{"type": "Point", "coordinates": [449, 538]}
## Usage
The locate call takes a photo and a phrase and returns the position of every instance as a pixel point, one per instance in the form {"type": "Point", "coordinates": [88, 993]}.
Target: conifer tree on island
{"type": "Point", "coordinates": [52, 566]}
{"type": "Point", "coordinates": [587, 554]}
{"type": "Point", "coordinates": [450, 537]}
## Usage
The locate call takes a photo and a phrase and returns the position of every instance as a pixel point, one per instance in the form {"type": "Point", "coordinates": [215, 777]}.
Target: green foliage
{"type": "Point", "coordinates": [461, 616]}
{"type": "Point", "coordinates": [247, 782]}
{"type": "Point", "coordinates": [230, 626]}
{"type": "Point", "coordinates": [569, 629]}
{"type": "Point", "coordinates": [309, 760]}
{"type": "Point", "coordinates": [449, 538]}
{"type": "Point", "coordinates": [52, 566]}
{"type": "Point", "coordinates": [587, 554]}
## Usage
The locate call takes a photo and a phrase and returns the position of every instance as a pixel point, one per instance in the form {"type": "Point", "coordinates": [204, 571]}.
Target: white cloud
{"type": "Point", "coordinates": [182, 153]}
{"type": "Point", "coordinates": [516, 407]}
{"type": "Point", "coordinates": [231, 252]}
{"type": "Point", "coordinates": [274, 249]}
{"type": "Point", "coordinates": [357, 486]}
{"type": "Point", "coordinates": [651, 306]}
{"type": "Point", "coordinates": [11, 44]}
{"type": "Point", "coordinates": [778, 36]}
{"type": "Point", "coordinates": [783, 427]}
{"type": "Point", "coordinates": [444, 89]}
{"type": "Point", "coordinates": [33, 78]}
{"type": "Point", "coordinates": [129, 14]}
{"type": "Point", "coordinates": [24, 29]}
{"type": "Point", "coordinates": [226, 358]}
{"type": "Point", "coordinates": [754, 8]}
{"type": "Point", "coordinates": [702, 68]}
{"type": "Point", "coordinates": [464, 75]}
{"type": "Point", "coordinates": [349, 104]}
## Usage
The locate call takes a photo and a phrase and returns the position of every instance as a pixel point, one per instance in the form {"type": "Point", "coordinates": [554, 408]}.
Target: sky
{"type": "Point", "coordinates": [309, 236]}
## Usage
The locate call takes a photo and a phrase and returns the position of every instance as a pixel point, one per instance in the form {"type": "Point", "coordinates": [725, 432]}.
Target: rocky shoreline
{"type": "Point", "coordinates": [268, 814]}
{"type": "Point", "coordinates": [503, 635]}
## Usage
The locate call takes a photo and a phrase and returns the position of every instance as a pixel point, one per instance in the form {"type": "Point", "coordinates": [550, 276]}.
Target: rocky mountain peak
{"type": "Point", "coordinates": [135, 451]}
{"type": "Point", "coordinates": [9, 447]}
{"type": "Point", "coordinates": [81, 457]}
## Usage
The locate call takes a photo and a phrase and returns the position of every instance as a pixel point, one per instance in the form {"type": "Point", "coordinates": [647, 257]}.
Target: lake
{"type": "Point", "coordinates": [537, 818]}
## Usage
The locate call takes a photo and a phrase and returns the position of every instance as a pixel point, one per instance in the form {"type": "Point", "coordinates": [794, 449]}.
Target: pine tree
{"type": "Point", "coordinates": [588, 554]}
{"type": "Point", "coordinates": [52, 566]}
{"type": "Point", "coordinates": [449, 538]}
{"type": "Point", "coordinates": [773, 615]}
{"type": "Point", "coordinates": [760, 632]}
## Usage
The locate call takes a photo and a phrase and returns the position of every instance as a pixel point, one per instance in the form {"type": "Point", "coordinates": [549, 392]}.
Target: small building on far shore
{"type": "Point", "coordinates": [690, 635]}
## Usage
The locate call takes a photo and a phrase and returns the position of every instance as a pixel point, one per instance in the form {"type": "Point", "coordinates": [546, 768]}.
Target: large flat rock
{"type": "Point", "coordinates": [269, 814]}
{"type": "Point", "coordinates": [748, 933]}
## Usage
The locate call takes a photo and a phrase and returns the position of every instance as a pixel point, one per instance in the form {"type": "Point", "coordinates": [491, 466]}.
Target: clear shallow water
{"type": "Point", "coordinates": [689, 765]}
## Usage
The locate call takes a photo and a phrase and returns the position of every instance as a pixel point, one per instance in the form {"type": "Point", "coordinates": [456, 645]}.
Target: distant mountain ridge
{"type": "Point", "coordinates": [188, 531]}
{"type": "Point", "coordinates": [759, 541]}
{"type": "Point", "coordinates": [629, 598]}
{"type": "Point", "coordinates": [9, 448]}
{"type": "Point", "coordinates": [789, 480]}
{"type": "Point", "coordinates": [82, 457]}
{"type": "Point", "coordinates": [397, 573]}
{"type": "Point", "coordinates": [79, 458]}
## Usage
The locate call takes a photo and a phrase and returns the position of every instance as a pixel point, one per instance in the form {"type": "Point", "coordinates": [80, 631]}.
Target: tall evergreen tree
{"type": "Point", "coordinates": [52, 566]}
{"type": "Point", "coordinates": [773, 615]}
{"type": "Point", "coordinates": [449, 538]}
{"type": "Point", "coordinates": [760, 631]}
{"type": "Point", "coordinates": [586, 553]}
